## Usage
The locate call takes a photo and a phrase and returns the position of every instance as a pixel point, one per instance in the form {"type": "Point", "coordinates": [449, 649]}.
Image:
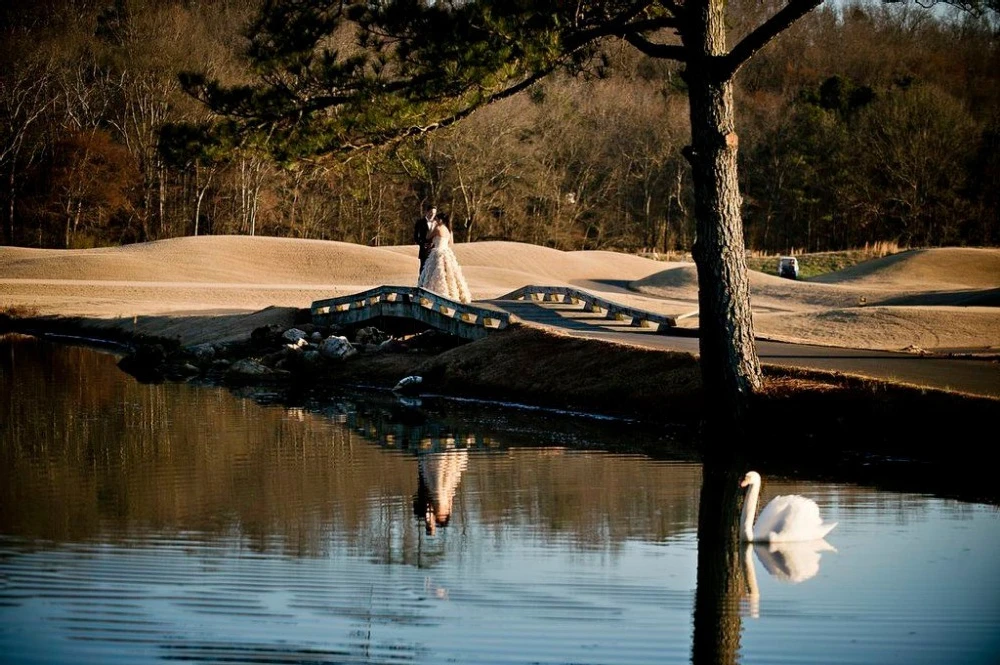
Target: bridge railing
{"type": "Point", "coordinates": [591, 303]}
{"type": "Point", "coordinates": [470, 321]}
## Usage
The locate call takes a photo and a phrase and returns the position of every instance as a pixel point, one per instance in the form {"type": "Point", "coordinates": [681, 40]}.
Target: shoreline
{"type": "Point", "coordinates": [829, 425]}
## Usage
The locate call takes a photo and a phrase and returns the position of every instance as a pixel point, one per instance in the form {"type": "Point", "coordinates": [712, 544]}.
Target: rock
{"type": "Point", "coordinates": [293, 335]}
{"type": "Point", "coordinates": [371, 335]}
{"type": "Point", "coordinates": [181, 371]}
{"type": "Point", "coordinates": [249, 370]}
{"type": "Point", "coordinates": [298, 344]}
{"type": "Point", "coordinates": [336, 348]}
{"type": "Point", "coordinates": [146, 362]}
{"type": "Point", "coordinates": [203, 353]}
{"type": "Point", "coordinates": [268, 335]}
{"type": "Point", "coordinates": [332, 329]}
{"type": "Point", "coordinates": [234, 350]}
{"type": "Point", "coordinates": [392, 345]}
{"type": "Point", "coordinates": [273, 359]}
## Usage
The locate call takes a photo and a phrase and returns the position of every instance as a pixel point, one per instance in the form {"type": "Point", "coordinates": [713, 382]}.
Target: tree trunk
{"type": "Point", "coordinates": [197, 205]}
{"type": "Point", "coordinates": [10, 207]}
{"type": "Point", "coordinates": [729, 365]}
{"type": "Point", "coordinates": [69, 222]}
{"type": "Point", "coordinates": [162, 196]}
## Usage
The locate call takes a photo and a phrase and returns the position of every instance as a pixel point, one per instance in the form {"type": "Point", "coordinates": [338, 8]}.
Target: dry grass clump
{"type": "Point", "coordinates": [17, 311]}
{"type": "Point", "coordinates": [11, 314]}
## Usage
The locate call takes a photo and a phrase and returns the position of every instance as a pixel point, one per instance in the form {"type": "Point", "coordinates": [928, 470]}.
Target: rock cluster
{"type": "Point", "coordinates": [272, 353]}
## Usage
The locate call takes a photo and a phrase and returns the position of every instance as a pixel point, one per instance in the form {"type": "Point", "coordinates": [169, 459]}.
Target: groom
{"type": "Point", "coordinates": [421, 228]}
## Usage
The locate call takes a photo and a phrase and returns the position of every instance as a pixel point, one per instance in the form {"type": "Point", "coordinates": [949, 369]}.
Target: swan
{"type": "Point", "coordinates": [785, 519]}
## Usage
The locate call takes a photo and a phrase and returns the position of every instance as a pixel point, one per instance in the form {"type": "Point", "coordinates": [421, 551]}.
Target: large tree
{"type": "Point", "coordinates": [333, 77]}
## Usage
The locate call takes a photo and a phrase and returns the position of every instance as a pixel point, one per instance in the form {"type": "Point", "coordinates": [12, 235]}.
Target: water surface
{"type": "Point", "coordinates": [142, 523]}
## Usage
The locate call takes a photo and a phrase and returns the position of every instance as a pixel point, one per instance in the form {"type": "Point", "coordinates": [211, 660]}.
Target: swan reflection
{"type": "Point", "coordinates": [792, 562]}
{"type": "Point", "coordinates": [789, 562]}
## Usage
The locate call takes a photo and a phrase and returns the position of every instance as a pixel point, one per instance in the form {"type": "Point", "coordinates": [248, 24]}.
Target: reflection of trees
{"type": "Point", "coordinates": [85, 444]}
{"type": "Point", "coordinates": [88, 452]}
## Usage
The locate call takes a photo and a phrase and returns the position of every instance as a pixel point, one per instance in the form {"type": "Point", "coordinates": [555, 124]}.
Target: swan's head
{"type": "Point", "coordinates": [751, 479]}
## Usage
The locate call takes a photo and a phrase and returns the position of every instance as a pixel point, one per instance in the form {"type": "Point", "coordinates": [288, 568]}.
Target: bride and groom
{"type": "Point", "coordinates": [439, 269]}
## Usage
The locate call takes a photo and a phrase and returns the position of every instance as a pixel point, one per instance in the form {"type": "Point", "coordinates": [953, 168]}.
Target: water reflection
{"type": "Point", "coordinates": [148, 522]}
{"type": "Point", "coordinates": [89, 453]}
{"type": "Point", "coordinates": [440, 473]}
{"type": "Point", "coordinates": [792, 562]}
{"type": "Point", "coordinates": [720, 587]}
{"type": "Point", "coordinates": [788, 562]}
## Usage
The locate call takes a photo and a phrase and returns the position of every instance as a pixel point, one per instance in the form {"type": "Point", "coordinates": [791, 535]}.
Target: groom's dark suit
{"type": "Point", "coordinates": [420, 239]}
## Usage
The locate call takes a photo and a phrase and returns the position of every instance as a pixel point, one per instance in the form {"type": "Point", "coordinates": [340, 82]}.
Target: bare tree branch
{"type": "Point", "coordinates": [728, 65]}
{"type": "Point", "coordinates": [654, 50]}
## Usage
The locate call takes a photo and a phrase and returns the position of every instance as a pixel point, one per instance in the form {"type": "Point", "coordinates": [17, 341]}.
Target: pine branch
{"type": "Point", "coordinates": [401, 134]}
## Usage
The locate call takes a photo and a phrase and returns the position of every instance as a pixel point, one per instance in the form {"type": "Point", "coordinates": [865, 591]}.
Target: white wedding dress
{"type": "Point", "coordinates": [442, 274]}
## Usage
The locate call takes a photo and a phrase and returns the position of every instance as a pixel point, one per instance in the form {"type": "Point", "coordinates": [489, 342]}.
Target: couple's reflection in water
{"type": "Point", "coordinates": [439, 473]}
{"type": "Point", "coordinates": [441, 460]}
{"type": "Point", "coordinates": [727, 588]}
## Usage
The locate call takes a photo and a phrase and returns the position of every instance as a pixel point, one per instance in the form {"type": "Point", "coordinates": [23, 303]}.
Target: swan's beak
{"type": "Point", "coordinates": [744, 482]}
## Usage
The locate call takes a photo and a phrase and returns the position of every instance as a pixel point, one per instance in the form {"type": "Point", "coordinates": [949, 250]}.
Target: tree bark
{"type": "Point", "coordinates": [729, 364]}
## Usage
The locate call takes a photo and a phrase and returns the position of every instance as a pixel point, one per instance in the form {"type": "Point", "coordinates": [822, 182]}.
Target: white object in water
{"type": "Point", "coordinates": [784, 519]}
{"type": "Point", "coordinates": [407, 383]}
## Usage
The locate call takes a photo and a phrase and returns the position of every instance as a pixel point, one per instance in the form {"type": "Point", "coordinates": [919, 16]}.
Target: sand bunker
{"type": "Point", "coordinates": [916, 299]}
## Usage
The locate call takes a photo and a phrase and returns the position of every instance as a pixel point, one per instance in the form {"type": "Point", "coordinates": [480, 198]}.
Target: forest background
{"type": "Point", "coordinates": [864, 123]}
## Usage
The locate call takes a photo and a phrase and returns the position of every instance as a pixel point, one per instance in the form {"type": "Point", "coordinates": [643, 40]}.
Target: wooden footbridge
{"type": "Point", "coordinates": [478, 319]}
{"type": "Point", "coordinates": [583, 313]}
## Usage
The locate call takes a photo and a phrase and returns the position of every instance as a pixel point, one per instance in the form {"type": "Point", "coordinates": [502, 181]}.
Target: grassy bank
{"type": "Point", "coordinates": [820, 263]}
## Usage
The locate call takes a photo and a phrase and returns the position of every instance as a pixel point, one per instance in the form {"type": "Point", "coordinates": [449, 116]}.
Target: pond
{"type": "Point", "coordinates": [143, 523]}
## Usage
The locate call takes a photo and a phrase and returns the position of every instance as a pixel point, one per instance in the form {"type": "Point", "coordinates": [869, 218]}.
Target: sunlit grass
{"type": "Point", "coordinates": [810, 264]}
{"type": "Point", "coordinates": [820, 263]}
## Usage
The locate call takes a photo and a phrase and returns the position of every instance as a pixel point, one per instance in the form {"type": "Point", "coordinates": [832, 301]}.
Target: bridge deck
{"type": "Point", "coordinates": [474, 320]}
{"type": "Point", "coordinates": [469, 321]}
{"type": "Point", "coordinates": [612, 311]}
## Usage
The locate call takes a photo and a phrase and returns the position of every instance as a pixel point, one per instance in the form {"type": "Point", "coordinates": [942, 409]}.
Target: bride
{"type": "Point", "coordinates": [441, 273]}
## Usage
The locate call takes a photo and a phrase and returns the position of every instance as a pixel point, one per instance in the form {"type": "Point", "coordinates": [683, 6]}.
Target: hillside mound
{"type": "Point", "coordinates": [216, 259]}
{"type": "Point", "coordinates": [919, 269]}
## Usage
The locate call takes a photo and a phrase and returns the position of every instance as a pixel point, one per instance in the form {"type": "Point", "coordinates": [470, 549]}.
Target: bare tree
{"type": "Point", "coordinates": [25, 95]}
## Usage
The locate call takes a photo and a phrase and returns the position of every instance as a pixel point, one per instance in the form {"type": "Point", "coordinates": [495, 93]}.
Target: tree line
{"type": "Point", "coordinates": [862, 124]}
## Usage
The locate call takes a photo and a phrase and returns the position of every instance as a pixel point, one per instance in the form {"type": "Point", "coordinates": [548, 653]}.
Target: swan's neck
{"type": "Point", "coordinates": [749, 511]}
